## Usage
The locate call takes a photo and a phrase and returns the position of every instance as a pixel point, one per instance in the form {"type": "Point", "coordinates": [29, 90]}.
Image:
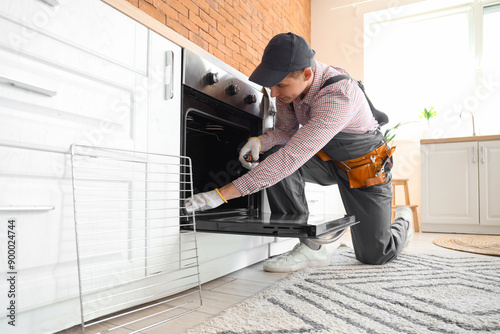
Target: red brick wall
{"type": "Point", "coordinates": [235, 31]}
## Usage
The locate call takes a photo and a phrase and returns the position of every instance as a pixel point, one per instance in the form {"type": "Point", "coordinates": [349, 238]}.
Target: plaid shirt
{"type": "Point", "coordinates": [306, 129]}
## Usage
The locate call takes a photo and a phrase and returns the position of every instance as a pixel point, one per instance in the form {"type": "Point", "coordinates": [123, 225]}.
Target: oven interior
{"type": "Point", "coordinates": [213, 135]}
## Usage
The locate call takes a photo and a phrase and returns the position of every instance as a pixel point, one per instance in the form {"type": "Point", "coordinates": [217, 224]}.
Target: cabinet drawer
{"type": "Point", "coordinates": [90, 25]}
{"type": "Point", "coordinates": [41, 203]}
{"type": "Point", "coordinates": [58, 106]}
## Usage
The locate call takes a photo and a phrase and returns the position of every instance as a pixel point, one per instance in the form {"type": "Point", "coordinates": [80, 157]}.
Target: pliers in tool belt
{"type": "Point", "coordinates": [382, 169]}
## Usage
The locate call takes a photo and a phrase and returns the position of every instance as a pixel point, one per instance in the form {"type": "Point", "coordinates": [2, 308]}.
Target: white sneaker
{"type": "Point", "coordinates": [299, 257]}
{"type": "Point", "coordinates": [404, 212]}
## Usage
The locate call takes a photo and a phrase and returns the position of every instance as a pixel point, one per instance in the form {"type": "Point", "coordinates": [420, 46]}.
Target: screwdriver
{"type": "Point", "coordinates": [248, 158]}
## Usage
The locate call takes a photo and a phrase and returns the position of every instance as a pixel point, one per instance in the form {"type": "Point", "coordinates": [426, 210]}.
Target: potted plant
{"type": "Point", "coordinates": [428, 114]}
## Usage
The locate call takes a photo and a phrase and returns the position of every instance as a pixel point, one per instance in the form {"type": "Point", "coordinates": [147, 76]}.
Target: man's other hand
{"type": "Point", "coordinates": [203, 201]}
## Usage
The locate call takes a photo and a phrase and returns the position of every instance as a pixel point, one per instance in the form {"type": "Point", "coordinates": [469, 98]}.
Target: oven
{"type": "Point", "coordinates": [221, 109]}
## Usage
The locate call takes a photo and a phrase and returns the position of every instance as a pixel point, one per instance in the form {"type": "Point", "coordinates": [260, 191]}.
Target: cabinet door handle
{"type": "Point", "coordinates": [483, 154]}
{"type": "Point", "coordinates": [52, 3]}
{"type": "Point", "coordinates": [474, 154]}
{"type": "Point", "coordinates": [27, 86]}
{"type": "Point", "coordinates": [26, 208]}
{"type": "Point", "coordinates": [169, 75]}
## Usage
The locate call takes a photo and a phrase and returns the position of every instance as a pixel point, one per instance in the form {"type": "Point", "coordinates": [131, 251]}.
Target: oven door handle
{"type": "Point", "coordinates": [169, 75]}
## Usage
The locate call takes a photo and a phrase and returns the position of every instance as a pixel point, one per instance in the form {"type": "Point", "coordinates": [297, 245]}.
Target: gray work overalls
{"type": "Point", "coordinates": [375, 239]}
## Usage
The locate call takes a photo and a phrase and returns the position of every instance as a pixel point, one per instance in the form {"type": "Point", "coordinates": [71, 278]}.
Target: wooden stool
{"type": "Point", "coordinates": [404, 183]}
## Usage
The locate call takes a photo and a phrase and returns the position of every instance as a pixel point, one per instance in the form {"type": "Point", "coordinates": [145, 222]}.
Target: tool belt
{"type": "Point", "coordinates": [365, 171]}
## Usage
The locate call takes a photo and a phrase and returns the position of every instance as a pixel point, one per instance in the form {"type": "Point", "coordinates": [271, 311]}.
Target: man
{"type": "Point", "coordinates": [325, 135]}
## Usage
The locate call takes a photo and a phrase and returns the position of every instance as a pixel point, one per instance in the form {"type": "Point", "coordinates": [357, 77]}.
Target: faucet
{"type": "Point", "coordinates": [473, 126]}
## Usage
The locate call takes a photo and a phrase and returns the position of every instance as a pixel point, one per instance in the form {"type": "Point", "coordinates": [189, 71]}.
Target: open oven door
{"type": "Point", "coordinates": [321, 228]}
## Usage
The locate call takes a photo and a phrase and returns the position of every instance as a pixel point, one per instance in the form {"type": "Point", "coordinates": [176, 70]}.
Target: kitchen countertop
{"type": "Point", "coordinates": [459, 139]}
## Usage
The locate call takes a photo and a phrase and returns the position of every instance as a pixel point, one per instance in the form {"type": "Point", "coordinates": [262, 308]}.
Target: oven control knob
{"type": "Point", "coordinates": [212, 78]}
{"type": "Point", "coordinates": [251, 99]}
{"type": "Point", "coordinates": [233, 89]}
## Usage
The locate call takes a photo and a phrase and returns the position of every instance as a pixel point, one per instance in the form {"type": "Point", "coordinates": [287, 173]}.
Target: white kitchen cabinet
{"type": "Point", "coordinates": [78, 73]}
{"type": "Point", "coordinates": [489, 182]}
{"type": "Point", "coordinates": [460, 182]}
{"type": "Point", "coordinates": [163, 92]}
{"type": "Point", "coordinates": [58, 88]}
{"type": "Point", "coordinates": [91, 26]}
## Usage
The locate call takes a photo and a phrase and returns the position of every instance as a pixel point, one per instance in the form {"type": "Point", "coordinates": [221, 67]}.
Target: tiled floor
{"type": "Point", "coordinates": [229, 290]}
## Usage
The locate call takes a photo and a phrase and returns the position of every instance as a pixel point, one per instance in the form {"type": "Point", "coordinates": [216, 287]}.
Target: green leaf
{"type": "Point", "coordinates": [428, 114]}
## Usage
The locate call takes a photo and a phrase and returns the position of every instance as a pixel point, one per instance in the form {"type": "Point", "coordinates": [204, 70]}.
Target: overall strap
{"type": "Point", "coordinates": [330, 81]}
{"type": "Point", "coordinates": [380, 116]}
{"type": "Point", "coordinates": [335, 79]}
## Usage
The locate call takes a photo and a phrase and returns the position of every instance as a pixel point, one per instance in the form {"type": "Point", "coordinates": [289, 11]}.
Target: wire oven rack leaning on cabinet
{"type": "Point", "coordinates": [136, 268]}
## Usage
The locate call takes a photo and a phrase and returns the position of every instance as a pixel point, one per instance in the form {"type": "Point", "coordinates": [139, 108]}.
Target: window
{"type": "Point", "coordinates": [421, 56]}
{"type": "Point", "coordinates": [491, 46]}
{"type": "Point", "coordinates": [490, 106]}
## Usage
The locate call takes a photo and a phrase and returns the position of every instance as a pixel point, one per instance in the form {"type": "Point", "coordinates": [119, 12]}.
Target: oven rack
{"type": "Point", "coordinates": [136, 268]}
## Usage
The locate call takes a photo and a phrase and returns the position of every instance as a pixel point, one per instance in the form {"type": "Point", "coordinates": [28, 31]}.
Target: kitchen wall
{"type": "Point", "coordinates": [234, 31]}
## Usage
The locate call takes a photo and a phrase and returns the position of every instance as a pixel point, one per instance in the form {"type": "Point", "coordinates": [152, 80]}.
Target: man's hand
{"type": "Point", "coordinates": [251, 150]}
{"type": "Point", "coordinates": [203, 201]}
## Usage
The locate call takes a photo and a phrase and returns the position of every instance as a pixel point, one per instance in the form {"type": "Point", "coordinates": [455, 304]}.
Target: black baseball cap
{"type": "Point", "coordinates": [284, 54]}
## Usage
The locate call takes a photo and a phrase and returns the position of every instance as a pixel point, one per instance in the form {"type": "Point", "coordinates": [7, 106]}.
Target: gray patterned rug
{"type": "Point", "coordinates": [415, 294]}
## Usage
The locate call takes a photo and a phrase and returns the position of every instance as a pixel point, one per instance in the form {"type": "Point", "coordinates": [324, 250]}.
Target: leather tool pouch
{"type": "Point", "coordinates": [362, 171]}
